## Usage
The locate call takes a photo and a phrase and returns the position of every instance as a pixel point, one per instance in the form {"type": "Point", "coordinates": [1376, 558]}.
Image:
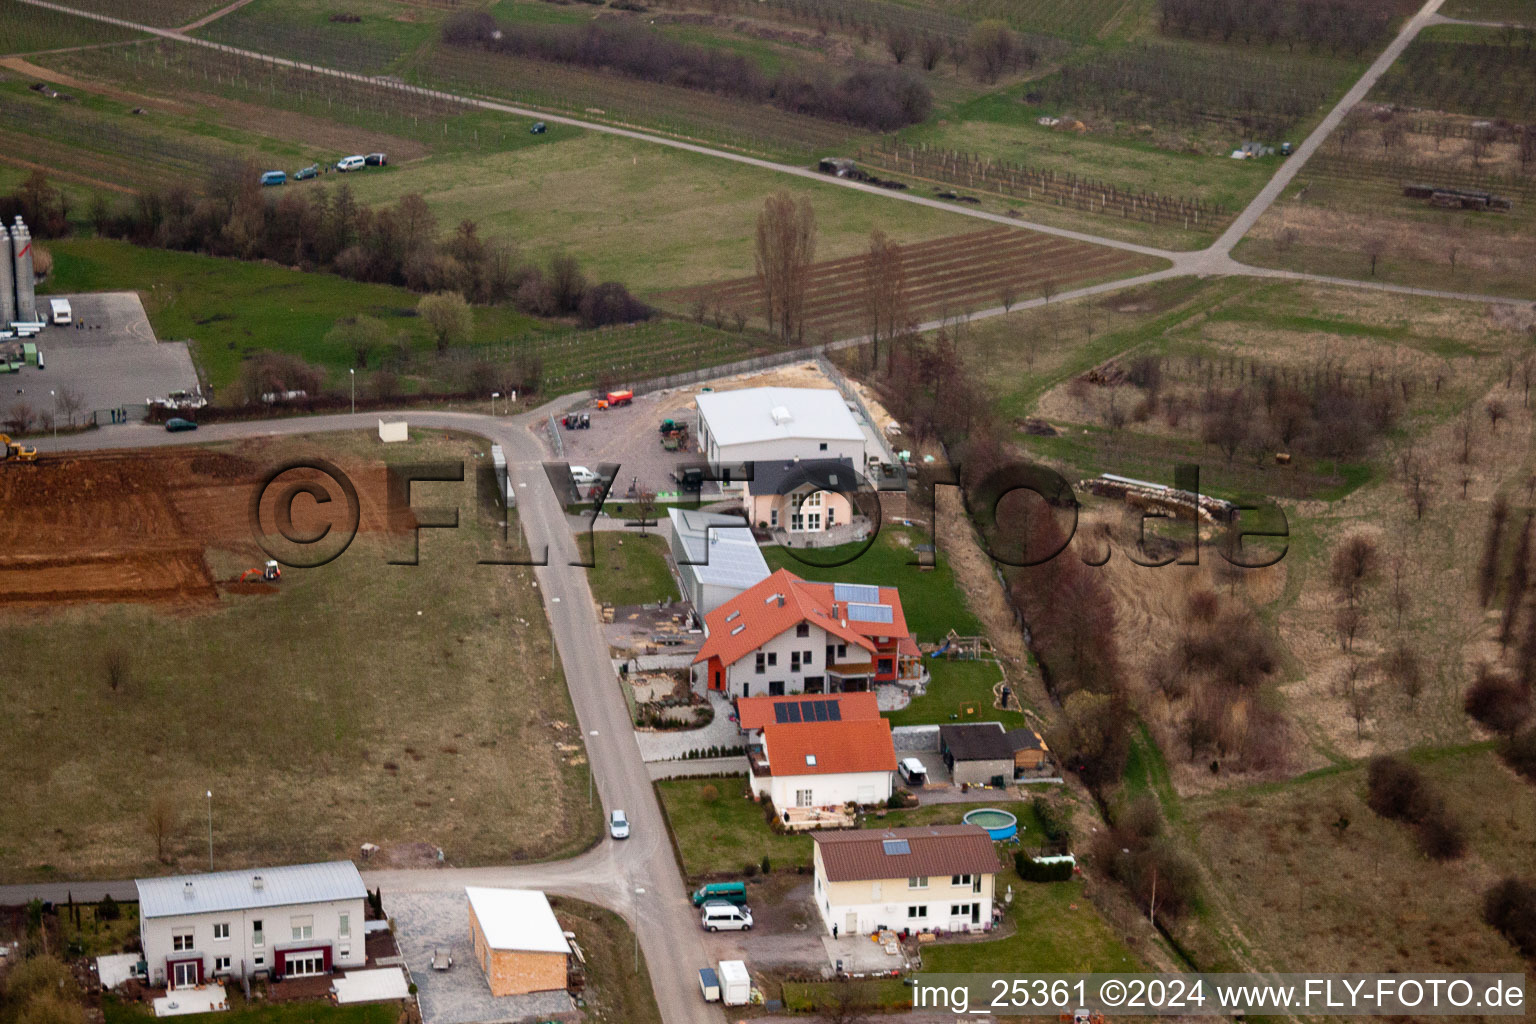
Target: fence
{"type": "Point", "coordinates": [894, 475]}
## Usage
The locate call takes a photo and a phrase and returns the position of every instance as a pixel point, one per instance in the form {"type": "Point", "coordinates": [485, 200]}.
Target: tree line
{"type": "Point", "coordinates": [1342, 26]}
{"type": "Point", "coordinates": [877, 98]}
{"type": "Point", "coordinates": [400, 244]}
{"type": "Point", "coordinates": [44, 208]}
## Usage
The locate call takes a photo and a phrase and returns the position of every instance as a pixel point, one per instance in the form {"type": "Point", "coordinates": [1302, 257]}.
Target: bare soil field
{"type": "Point", "coordinates": [945, 277]}
{"type": "Point", "coordinates": [135, 526]}
{"type": "Point", "coordinates": [415, 707]}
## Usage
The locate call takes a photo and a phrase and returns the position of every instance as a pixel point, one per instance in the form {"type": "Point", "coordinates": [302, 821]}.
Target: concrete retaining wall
{"type": "Point", "coordinates": [915, 737]}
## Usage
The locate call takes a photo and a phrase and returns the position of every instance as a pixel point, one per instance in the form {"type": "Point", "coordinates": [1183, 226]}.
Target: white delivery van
{"type": "Point", "coordinates": [912, 771]}
{"type": "Point", "coordinates": [351, 163]}
{"type": "Point", "coordinates": [59, 311]}
{"type": "Point", "coordinates": [726, 915]}
{"type": "Point", "coordinates": [735, 983]}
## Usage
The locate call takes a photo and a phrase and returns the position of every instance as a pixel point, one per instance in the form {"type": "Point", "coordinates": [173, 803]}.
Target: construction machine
{"type": "Point", "coordinates": [269, 573]}
{"type": "Point", "coordinates": [15, 451]}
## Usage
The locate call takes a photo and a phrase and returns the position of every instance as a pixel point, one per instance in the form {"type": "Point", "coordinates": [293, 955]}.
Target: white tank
{"type": "Point", "coordinates": [21, 247]}
{"type": "Point", "coordinates": [7, 279]}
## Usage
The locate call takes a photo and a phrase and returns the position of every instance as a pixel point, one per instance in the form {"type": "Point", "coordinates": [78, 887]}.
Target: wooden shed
{"type": "Point", "coordinates": [518, 942]}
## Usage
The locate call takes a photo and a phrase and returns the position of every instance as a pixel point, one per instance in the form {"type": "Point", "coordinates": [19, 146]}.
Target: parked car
{"type": "Point", "coordinates": [912, 771]}
{"type": "Point", "coordinates": [582, 475]}
{"type": "Point", "coordinates": [375, 159]}
{"type": "Point", "coordinates": [718, 915]}
{"type": "Point", "coordinates": [351, 163]}
{"type": "Point", "coordinates": [539, 128]}
{"type": "Point", "coordinates": [728, 892]}
{"type": "Point", "coordinates": [305, 173]}
{"type": "Point", "coordinates": [274, 178]}
{"type": "Point", "coordinates": [176, 425]}
{"type": "Point", "coordinates": [618, 825]}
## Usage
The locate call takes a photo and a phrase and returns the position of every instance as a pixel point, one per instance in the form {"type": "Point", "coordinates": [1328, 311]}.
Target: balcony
{"type": "Point", "coordinates": [800, 818]}
{"type": "Point", "coordinates": [758, 762]}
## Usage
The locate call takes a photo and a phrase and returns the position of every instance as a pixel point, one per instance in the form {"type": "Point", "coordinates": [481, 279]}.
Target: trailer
{"type": "Point", "coordinates": [735, 983]}
{"type": "Point", "coordinates": [709, 984]}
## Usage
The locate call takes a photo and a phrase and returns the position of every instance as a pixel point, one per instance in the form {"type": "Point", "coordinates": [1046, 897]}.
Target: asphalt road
{"type": "Point", "coordinates": [613, 873]}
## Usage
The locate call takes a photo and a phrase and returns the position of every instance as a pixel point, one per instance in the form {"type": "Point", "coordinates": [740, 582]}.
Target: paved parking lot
{"type": "Point", "coordinates": [425, 921]}
{"type": "Point", "coordinates": [629, 435]}
{"type": "Point", "coordinates": [109, 357]}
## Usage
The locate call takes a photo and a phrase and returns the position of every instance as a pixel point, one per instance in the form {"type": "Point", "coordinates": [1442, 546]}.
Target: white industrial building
{"type": "Point", "coordinates": [716, 557]}
{"type": "Point", "coordinates": [285, 922]}
{"type": "Point", "coordinates": [779, 424]}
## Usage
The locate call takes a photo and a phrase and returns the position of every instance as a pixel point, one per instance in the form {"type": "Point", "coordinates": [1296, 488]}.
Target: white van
{"type": "Point", "coordinates": [351, 163]}
{"type": "Point", "coordinates": [726, 915]}
{"type": "Point", "coordinates": [912, 771]}
{"type": "Point", "coordinates": [60, 313]}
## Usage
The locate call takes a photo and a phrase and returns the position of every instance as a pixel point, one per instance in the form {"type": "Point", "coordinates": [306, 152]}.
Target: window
{"type": "Point", "coordinates": [773, 516]}
{"type": "Point", "coordinates": [344, 928]}
{"type": "Point", "coordinates": [776, 688]}
{"type": "Point", "coordinates": [258, 937]}
{"type": "Point", "coordinates": [823, 446]}
{"type": "Point", "coordinates": [917, 912]}
{"type": "Point", "coordinates": [303, 965]}
{"type": "Point", "coordinates": [260, 960]}
{"type": "Point", "coordinates": [960, 910]}
{"type": "Point", "coordinates": [762, 661]}
{"type": "Point", "coordinates": [918, 882]}
{"type": "Point", "coordinates": [221, 965]}
{"type": "Point", "coordinates": [842, 651]}
{"type": "Point", "coordinates": [221, 931]}
{"type": "Point", "coordinates": [773, 658]}
{"type": "Point", "coordinates": [303, 927]}
{"type": "Point", "coordinates": [794, 661]}
{"type": "Point", "coordinates": [803, 630]}
{"type": "Point", "coordinates": [806, 658]}
{"type": "Point", "coordinates": [803, 798]}
{"type": "Point", "coordinates": [181, 941]}
{"type": "Point", "coordinates": [976, 883]}
{"type": "Point", "coordinates": [831, 517]}
{"type": "Point", "coordinates": [959, 879]}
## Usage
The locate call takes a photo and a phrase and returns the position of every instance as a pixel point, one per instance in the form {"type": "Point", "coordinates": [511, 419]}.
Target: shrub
{"type": "Point", "coordinates": [1498, 701]}
{"type": "Point", "coordinates": [1031, 870]}
{"type": "Point", "coordinates": [767, 865]}
{"type": "Point", "coordinates": [108, 910]}
{"type": "Point", "coordinates": [1510, 908]}
{"type": "Point", "coordinates": [1053, 822]}
{"type": "Point", "coordinates": [749, 870]}
{"type": "Point", "coordinates": [1519, 752]}
{"type": "Point", "coordinates": [611, 303]}
{"type": "Point", "coordinates": [1397, 790]}
{"type": "Point", "coordinates": [709, 794]}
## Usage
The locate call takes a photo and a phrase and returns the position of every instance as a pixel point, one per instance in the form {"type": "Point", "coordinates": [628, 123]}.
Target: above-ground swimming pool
{"type": "Point", "coordinates": [999, 824]}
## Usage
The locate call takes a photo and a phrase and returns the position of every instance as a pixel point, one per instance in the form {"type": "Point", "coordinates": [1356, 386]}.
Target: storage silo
{"type": "Point", "coordinates": [21, 248]}
{"type": "Point", "coordinates": [7, 279]}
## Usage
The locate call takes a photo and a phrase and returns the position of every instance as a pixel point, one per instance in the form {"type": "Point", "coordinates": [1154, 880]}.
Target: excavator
{"type": "Point", "coordinates": [270, 573]}
{"type": "Point", "coordinates": [12, 450]}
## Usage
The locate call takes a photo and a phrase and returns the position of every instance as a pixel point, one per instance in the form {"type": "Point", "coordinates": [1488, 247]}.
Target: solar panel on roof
{"type": "Point", "coordinates": [895, 847]}
{"type": "Point", "coordinates": [869, 613]}
{"type": "Point", "coordinates": [781, 713]}
{"type": "Point", "coordinates": [794, 711]}
{"type": "Point", "coordinates": [855, 592]}
{"type": "Point", "coordinates": [834, 711]}
{"type": "Point", "coordinates": [820, 707]}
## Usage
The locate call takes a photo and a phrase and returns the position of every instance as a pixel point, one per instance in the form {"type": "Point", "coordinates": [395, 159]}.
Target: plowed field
{"type": "Point", "coordinates": [946, 276]}
{"type": "Point", "coordinates": [138, 526]}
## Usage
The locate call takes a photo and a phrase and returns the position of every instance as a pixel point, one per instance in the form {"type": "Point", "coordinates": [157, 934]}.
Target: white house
{"type": "Point", "coordinates": [928, 878]}
{"type": "Point", "coordinates": [819, 759]}
{"type": "Point", "coordinates": [779, 424]}
{"type": "Point", "coordinates": [286, 922]}
{"type": "Point", "coordinates": [716, 557]}
{"type": "Point", "coordinates": [787, 635]}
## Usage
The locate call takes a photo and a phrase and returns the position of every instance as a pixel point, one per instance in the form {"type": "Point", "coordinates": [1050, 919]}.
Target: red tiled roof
{"type": "Point", "coordinates": [837, 747]}
{"type": "Point", "coordinates": [756, 615]}
{"type": "Point", "coordinates": [756, 712]}
{"type": "Point", "coordinates": [932, 851]}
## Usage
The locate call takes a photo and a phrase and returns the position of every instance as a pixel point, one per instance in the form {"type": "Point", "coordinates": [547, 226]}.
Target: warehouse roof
{"type": "Point", "coordinates": [925, 851]}
{"type": "Point", "coordinates": [249, 890]}
{"type": "Point", "coordinates": [726, 555]}
{"type": "Point", "coordinates": [771, 414]}
{"type": "Point", "coordinates": [519, 919]}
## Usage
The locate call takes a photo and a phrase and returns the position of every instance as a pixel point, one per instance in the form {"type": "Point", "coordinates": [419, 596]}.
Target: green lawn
{"type": "Point", "coordinates": [97, 937]}
{"type": "Point", "coordinates": [1058, 930]}
{"type": "Point", "coordinates": [955, 683]}
{"type": "Point", "coordinates": [25, 28]}
{"type": "Point", "coordinates": [616, 989]}
{"type": "Point", "coordinates": [652, 217]}
{"type": "Point", "coordinates": [931, 601]}
{"type": "Point", "coordinates": [631, 569]}
{"type": "Point", "coordinates": [232, 308]}
{"type": "Point", "coordinates": [723, 835]}
{"type": "Point", "coordinates": [886, 994]}
{"type": "Point", "coordinates": [115, 1011]}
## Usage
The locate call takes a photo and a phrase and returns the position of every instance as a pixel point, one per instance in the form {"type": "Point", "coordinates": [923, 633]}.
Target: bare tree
{"type": "Point", "coordinates": [845, 1002]}
{"type": "Point", "coordinates": [930, 50]}
{"type": "Point", "coordinates": [1398, 594]}
{"type": "Point", "coordinates": [70, 403]}
{"type": "Point", "coordinates": [1404, 666]}
{"type": "Point", "coordinates": [114, 666]}
{"type": "Point", "coordinates": [739, 319]}
{"type": "Point", "coordinates": [1007, 295]}
{"type": "Point", "coordinates": [1493, 545]}
{"type": "Point", "coordinates": [1355, 563]}
{"type": "Point", "coordinates": [160, 823]}
{"type": "Point", "coordinates": [22, 418]}
{"type": "Point", "coordinates": [885, 292]}
{"type": "Point", "coordinates": [1348, 620]}
{"type": "Point", "coordinates": [899, 42]}
{"type": "Point", "coordinates": [1360, 704]}
{"type": "Point", "coordinates": [1048, 289]}
{"type": "Point", "coordinates": [1374, 247]}
{"type": "Point", "coordinates": [645, 508]}
{"type": "Point", "coordinates": [1496, 411]}
{"type": "Point", "coordinates": [786, 248]}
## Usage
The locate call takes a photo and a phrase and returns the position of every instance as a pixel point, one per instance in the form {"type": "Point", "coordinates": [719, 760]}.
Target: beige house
{"type": "Point", "coordinates": [939, 878]}
{"type": "Point", "coordinates": [517, 941]}
{"type": "Point", "coordinates": [800, 498]}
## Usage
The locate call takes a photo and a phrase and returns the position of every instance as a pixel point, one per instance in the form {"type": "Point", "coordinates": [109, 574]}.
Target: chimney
{"type": "Point", "coordinates": [186, 890]}
{"type": "Point", "coordinates": [257, 882]}
{"type": "Point", "coordinates": [781, 600]}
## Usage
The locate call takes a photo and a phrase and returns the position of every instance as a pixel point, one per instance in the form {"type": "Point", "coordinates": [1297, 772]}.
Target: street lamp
{"type": "Point", "coordinates": [494, 395]}
{"type": "Point", "coordinates": [352, 375]}
{"type": "Point", "coordinates": [210, 830]}
{"type": "Point", "coordinates": [55, 396]}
